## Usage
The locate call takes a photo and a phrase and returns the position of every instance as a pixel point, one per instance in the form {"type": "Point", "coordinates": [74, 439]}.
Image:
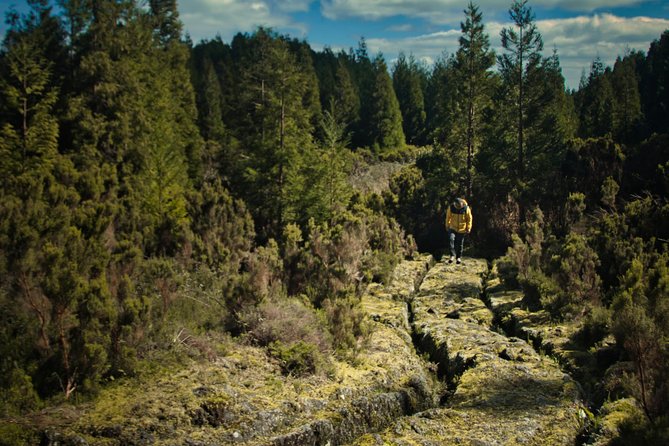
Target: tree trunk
{"type": "Point", "coordinates": [282, 131]}
{"type": "Point", "coordinates": [521, 161]}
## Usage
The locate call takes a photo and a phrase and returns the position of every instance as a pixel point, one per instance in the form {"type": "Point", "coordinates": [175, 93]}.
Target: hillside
{"type": "Point", "coordinates": [437, 311]}
{"type": "Point", "coordinates": [243, 241]}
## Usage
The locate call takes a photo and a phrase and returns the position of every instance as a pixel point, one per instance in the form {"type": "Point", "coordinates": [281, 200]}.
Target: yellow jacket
{"type": "Point", "coordinates": [459, 218]}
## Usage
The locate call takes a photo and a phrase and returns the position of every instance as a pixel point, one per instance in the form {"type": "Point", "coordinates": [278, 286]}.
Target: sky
{"type": "Point", "coordinates": [579, 30]}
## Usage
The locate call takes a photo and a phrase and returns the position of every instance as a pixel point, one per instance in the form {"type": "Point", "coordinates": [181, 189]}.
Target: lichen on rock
{"type": "Point", "coordinates": [502, 391]}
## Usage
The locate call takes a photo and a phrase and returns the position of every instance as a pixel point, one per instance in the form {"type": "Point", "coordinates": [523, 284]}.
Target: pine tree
{"type": "Point", "coordinates": [54, 258]}
{"type": "Point", "coordinates": [364, 77]}
{"type": "Point", "coordinates": [439, 100]}
{"type": "Point", "coordinates": [474, 61]}
{"type": "Point", "coordinates": [277, 102]}
{"type": "Point", "coordinates": [28, 138]}
{"type": "Point", "coordinates": [325, 66]}
{"type": "Point", "coordinates": [385, 124]}
{"type": "Point", "coordinates": [523, 43]}
{"type": "Point", "coordinates": [161, 185]}
{"type": "Point", "coordinates": [551, 123]}
{"type": "Point", "coordinates": [597, 102]}
{"type": "Point", "coordinates": [327, 190]}
{"type": "Point", "coordinates": [213, 80]}
{"type": "Point", "coordinates": [346, 99]}
{"type": "Point", "coordinates": [655, 77]}
{"type": "Point", "coordinates": [408, 84]}
{"type": "Point", "coordinates": [76, 17]}
{"type": "Point", "coordinates": [625, 82]}
{"type": "Point", "coordinates": [167, 23]}
{"type": "Point", "coordinates": [210, 114]}
{"type": "Point", "coordinates": [311, 102]}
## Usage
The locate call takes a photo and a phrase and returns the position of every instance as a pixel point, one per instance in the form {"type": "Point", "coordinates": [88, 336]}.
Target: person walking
{"type": "Point", "coordinates": [458, 224]}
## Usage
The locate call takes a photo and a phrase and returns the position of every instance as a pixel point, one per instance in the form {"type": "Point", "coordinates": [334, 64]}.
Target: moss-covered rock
{"type": "Point", "coordinates": [562, 340]}
{"type": "Point", "coordinates": [587, 361]}
{"type": "Point", "coordinates": [503, 391]}
{"type": "Point", "coordinates": [613, 415]}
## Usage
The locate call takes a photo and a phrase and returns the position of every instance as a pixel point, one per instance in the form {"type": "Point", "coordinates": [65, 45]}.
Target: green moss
{"type": "Point", "coordinates": [369, 440]}
{"type": "Point", "coordinates": [13, 434]}
{"type": "Point", "coordinates": [614, 415]}
{"type": "Point", "coordinates": [299, 358]}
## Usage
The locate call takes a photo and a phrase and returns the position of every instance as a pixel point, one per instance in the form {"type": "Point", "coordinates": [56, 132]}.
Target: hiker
{"type": "Point", "coordinates": [458, 224]}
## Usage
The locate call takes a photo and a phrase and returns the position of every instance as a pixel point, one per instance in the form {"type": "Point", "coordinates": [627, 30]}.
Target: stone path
{"type": "Point", "coordinates": [502, 392]}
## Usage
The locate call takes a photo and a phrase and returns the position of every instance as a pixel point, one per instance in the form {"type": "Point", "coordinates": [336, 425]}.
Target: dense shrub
{"type": "Point", "coordinates": [293, 333]}
{"type": "Point", "coordinates": [287, 320]}
{"type": "Point", "coordinates": [298, 358]}
{"type": "Point", "coordinates": [346, 322]}
{"type": "Point", "coordinates": [640, 324]}
{"type": "Point", "coordinates": [596, 326]}
{"type": "Point", "coordinates": [559, 275]}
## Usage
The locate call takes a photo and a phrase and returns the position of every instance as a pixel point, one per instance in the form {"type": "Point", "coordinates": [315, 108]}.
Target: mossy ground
{"type": "Point", "coordinates": [587, 363]}
{"type": "Point", "coordinates": [503, 392]}
{"type": "Point", "coordinates": [241, 395]}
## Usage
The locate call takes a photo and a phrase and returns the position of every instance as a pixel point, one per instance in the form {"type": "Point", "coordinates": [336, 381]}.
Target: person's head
{"type": "Point", "coordinates": [459, 203]}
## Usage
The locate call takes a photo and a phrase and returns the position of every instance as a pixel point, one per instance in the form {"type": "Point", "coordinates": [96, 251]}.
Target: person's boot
{"type": "Point", "coordinates": [451, 259]}
{"type": "Point", "coordinates": [458, 261]}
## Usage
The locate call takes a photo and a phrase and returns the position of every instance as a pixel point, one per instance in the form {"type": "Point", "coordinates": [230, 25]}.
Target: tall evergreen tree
{"type": "Point", "coordinates": [385, 130]}
{"type": "Point", "coordinates": [346, 99]}
{"type": "Point", "coordinates": [474, 61]}
{"type": "Point", "coordinates": [76, 17]}
{"type": "Point", "coordinates": [364, 76]}
{"type": "Point", "coordinates": [162, 183]}
{"type": "Point", "coordinates": [274, 98]}
{"type": "Point", "coordinates": [167, 24]}
{"type": "Point", "coordinates": [325, 65]}
{"type": "Point", "coordinates": [53, 256]}
{"type": "Point", "coordinates": [334, 172]}
{"type": "Point", "coordinates": [523, 44]}
{"type": "Point", "coordinates": [302, 52]}
{"type": "Point", "coordinates": [625, 82]}
{"type": "Point", "coordinates": [214, 80]}
{"type": "Point", "coordinates": [210, 117]}
{"type": "Point", "coordinates": [439, 100]}
{"type": "Point", "coordinates": [655, 78]}
{"type": "Point", "coordinates": [597, 103]}
{"type": "Point", "coordinates": [408, 84]}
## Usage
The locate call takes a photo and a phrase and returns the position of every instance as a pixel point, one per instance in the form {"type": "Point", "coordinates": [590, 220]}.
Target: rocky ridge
{"type": "Point", "coordinates": [587, 364]}
{"type": "Point", "coordinates": [478, 387]}
{"type": "Point", "coordinates": [502, 392]}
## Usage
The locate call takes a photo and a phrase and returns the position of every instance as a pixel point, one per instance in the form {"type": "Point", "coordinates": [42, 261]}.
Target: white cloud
{"type": "Point", "coordinates": [406, 27]}
{"type": "Point", "coordinates": [586, 5]}
{"type": "Point", "coordinates": [578, 40]}
{"type": "Point", "coordinates": [293, 5]}
{"type": "Point", "coordinates": [204, 19]}
{"type": "Point", "coordinates": [449, 11]}
{"type": "Point", "coordinates": [378, 9]}
{"type": "Point", "coordinates": [425, 47]}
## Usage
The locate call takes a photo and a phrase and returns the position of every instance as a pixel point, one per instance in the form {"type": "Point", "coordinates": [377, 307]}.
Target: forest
{"type": "Point", "coordinates": [153, 187]}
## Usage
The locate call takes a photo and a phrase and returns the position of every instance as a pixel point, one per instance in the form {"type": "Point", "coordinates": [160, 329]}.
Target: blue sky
{"type": "Point", "coordinates": [580, 30]}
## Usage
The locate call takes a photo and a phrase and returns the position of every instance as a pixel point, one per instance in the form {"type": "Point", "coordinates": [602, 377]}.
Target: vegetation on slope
{"type": "Point", "coordinates": [156, 193]}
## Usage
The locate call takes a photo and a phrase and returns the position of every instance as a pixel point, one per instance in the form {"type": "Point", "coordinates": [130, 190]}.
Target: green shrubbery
{"type": "Point", "coordinates": [347, 323]}
{"type": "Point", "coordinates": [298, 358]}
{"type": "Point", "coordinates": [612, 276]}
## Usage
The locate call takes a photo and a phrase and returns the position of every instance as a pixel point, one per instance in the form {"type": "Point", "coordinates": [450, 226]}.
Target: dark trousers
{"type": "Point", "coordinates": [457, 243]}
